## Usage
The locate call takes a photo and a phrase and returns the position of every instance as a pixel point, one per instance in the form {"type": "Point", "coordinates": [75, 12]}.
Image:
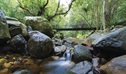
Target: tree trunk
{"type": "Point", "coordinates": [103, 22]}
{"type": "Point", "coordinates": [96, 14]}
{"type": "Point", "coordinates": [106, 14]}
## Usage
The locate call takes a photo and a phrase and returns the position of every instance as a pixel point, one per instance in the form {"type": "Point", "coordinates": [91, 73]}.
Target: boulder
{"type": "Point", "coordinates": [83, 68]}
{"type": "Point", "coordinates": [112, 44]}
{"type": "Point", "coordinates": [40, 24]}
{"type": "Point", "coordinates": [4, 31]}
{"type": "Point", "coordinates": [39, 44]}
{"type": "Point", "coordinates": [60, 49]}
{"type": "Point", "coordinates": [81, 53]}
{"type": "Point", "coordinates": [88, 41]}
{"type": "Point", "coordinates": [16, 27]}
{"type": "Point", "coordinates": [115, 66]}
{"type": "Point", "coordinates": [18, 44]}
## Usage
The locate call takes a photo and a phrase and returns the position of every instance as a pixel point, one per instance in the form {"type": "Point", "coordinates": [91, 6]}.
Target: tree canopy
{"type": "Point", "coordinates": [74, 13]}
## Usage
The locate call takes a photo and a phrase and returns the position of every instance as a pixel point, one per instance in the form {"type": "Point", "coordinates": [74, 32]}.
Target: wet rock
{"type": "Point", "coordinates": [18, 44]}
{"type": "Point", "coordinates": [83, 68]}
{"type": "Point", "coordinates": [4, 31]}
{"type": "Point", "coordinates": [40, 24]}
{"type": "Point", "coordinates": [112, 44]}
{"type": "Point", "coordinates": [115, 66]}
{"type": "Point", "coordinates": [60, 49]}
{"type": "Point", "coordinates": [88, 41]}
{"type": "Point", "coordinates": [39, 45]}
{"type": "Point", "coordinates": [95, 63]}
{"type": "Point", "coordinates": [81, 53]}
{"type": "Point", "coordinates": [16, 27]}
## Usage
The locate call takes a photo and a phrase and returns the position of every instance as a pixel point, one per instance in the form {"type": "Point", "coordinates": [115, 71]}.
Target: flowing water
{"type": "Point", "coordinates": [67, 55]}
{"type": "Point", "coordinates": [61, 65]}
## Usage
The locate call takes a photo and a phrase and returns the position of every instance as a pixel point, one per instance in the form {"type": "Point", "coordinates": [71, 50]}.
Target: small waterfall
{"type": "Point", "coordinates": [68, 54]}
{"type": "Point", "coordinates": [60, 66]}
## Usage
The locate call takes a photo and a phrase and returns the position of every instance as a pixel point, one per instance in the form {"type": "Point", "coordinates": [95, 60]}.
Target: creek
{"type": "Point", "coordinates": [61, 65]}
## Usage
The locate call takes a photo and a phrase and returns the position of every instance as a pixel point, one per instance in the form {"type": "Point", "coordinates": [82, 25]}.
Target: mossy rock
{"type": "Point", "coordinates": [4, 30]}
{"type": "Point", "coordinates": [40, 24]}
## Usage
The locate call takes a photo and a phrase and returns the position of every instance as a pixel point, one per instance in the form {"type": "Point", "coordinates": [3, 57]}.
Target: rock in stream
{"type": "Point", "coordinates": [112, 44]}
{"type": "Point", "coordinates": [115, 66]}
{"type": "Point", "coordinates": [39, 44]}
{"type": "Point", "coordinates": [81, 53]}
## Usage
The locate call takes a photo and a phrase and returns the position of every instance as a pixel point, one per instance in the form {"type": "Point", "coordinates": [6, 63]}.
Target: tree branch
{"type": "Point", "coordinates": [57, 7]}
{"type": "Point", "coordinates": [24, 8]}
{"type": "Point", "coordinates": [42, 9]}
{"type": "Point", "coordinates": [27, 10]}
{"type": "Point", "coordinates": [63, 13]}
{"type": "Point", "coordinates": [46, 4]}
{"type": "Point", "coordinates": [86, 20]}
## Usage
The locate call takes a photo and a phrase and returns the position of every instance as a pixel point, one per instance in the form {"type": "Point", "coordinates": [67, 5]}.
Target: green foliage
{"type": "Point", "coordinates": [87, 12]}
{"type": "Point", "coordinates": [120, 13]}
{"type": "Point", "coordinates": [10, 8]}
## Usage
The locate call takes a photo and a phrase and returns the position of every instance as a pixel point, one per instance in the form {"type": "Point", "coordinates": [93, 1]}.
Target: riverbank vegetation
{"type": "Point", "coordinates": [101, 14]}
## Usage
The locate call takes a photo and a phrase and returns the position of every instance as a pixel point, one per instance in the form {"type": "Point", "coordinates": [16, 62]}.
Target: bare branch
{"type": "Point", "coordinates": [86, 20]}
{"type": "Point", "coordinates": [63, 13]}
{"type": "Point", "coordinates": [42, 9]}
{"type": "Point", "coordinates": [46, 4]}
{"type": "Point", "coordinates": [27, 10]}
{"type": "Point", "coordinates": [24, 8]}
{"type": "Point", "coordinates": [57, 7]}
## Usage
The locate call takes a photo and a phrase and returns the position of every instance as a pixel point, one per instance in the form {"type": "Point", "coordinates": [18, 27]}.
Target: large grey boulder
{"type": "Point", "coordinates": [115, 66]}
{"type": "Point", "coordinates": [88, 41]}
{"type": "Point", "coordinates": [112, 44]}
{"type": "Point", "coordinates": [39, 24]}
{"type": "Point", "coordinates": [39, 44]}
{"type": "Point", "coordinates": [4, 31]}
{"type": "Point", "coordinates": [81, 53]}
